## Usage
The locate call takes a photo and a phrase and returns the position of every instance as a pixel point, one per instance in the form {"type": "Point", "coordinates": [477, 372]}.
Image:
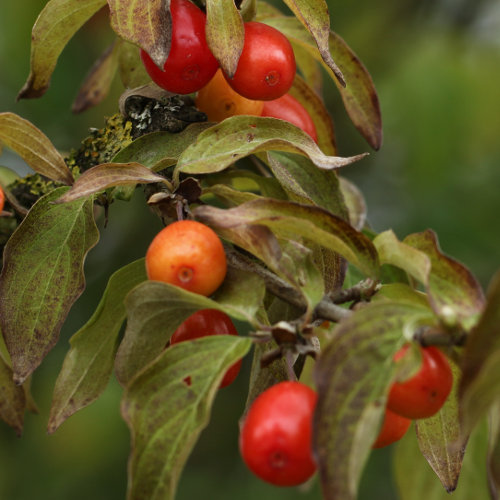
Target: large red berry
{"type": "Point", "coordinates": [423, 394]}
{"type": "Point", "coordinates": [187, 254]}
{"type": "Point", "coordinates": [190, 64]}
{"type": "Point", "coordinates": [266, 68]}
{"type": "Point", "coordinates": [208, 322]}
{"type": "Point", "coordinates": [393, 428]}
{"type": "Point", "coordinates": [289, 109]}
{"type": "Point", "coordinates": [275, 439]}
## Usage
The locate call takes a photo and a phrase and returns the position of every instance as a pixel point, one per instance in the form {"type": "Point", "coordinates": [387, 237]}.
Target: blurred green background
{"type": "Point", "coordinates": [436, 66]}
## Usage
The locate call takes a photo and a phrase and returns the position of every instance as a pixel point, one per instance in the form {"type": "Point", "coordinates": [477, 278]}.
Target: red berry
{"type": "Point", "coordinates": [190, 64]}
{"type": "Point", "coordinates": [187, 254]}
{"type": "Point", "coordinates": [208, 322]}
{"type": "Point", "coordinates": [393, 429]}
{"type": "Point", "coordinates": [289, 109]}
{"type": "Point", "coordinates": [275, 439]}
{"type": "Point", "coordinates": [423, 394]}
{"type": "Point", "coordinates": [2, 199]}
{"type": "Point", "coordinates": [266, 68]}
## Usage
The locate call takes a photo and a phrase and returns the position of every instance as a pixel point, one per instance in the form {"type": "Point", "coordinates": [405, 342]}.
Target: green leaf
{"type": "Point", "coordinates": [494, 451]}
{"type": "Point", "coordinates": [322, 119]}
{"type": "Point", "coordinates": [234, 138]}
{"type": "Point", "coordinates": [155, 310]}
{"type": "Point", "coordinates": [352, 377]}
{"type": "Point", "coordinates": [146, 24]}
{"type": "Point", "coordinates": [225, 33]}
{"type": "Point", "coordinates": [454, 293]}
{"type": "Point", "coordinates": [166, 416]}
{"type": "Point", "coordinates": [441, 441]}
{"type": "Point", "coordinates": [12, 399]}
{"type": "Point", "coordinates": [89, 363]}
{"type": "Point", "coordinates": [313, 14]}
{"type": "Point", "coordinates": [359, 95]}
{"type": "Point", "coordinates": [303, 181]}
{"type": "Point", "coordinates": [415, 480]}
{"type": "Point", "coordinates": [106, 175]}
{"type": "Point", "coordinates": [289, 220]}
{"type": "Point", "coordinates": [132, 72]}
{"type": "Point", "coordinates": [55, 26]}
{"type": "Point", "coordinates": [355, 202]}
{"type": "Point", "coordinates": [392, 251]}
{"type": "Point", "coordinates": [42, 277]}
{"type": "Point", "coordinates": [480, 384]}
{"type": "Point", "coordinates": [33, 147]}
{"type": "Point", "coordinates": [98, 82]}
{"type": "Point", "coordinates": [159, 150]}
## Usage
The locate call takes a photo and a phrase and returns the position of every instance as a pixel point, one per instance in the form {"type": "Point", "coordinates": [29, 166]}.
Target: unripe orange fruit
{"type": "Point", "coordinates": [219, 101]}
{"type": "Point", "coordinates": [187, 254]}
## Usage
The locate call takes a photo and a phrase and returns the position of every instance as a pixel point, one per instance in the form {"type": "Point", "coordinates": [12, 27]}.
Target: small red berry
{"type": "Point", "coordinates": [2, 199]}
{"type": "Point", "coordinates": [190, 64]}
{"type": "Point", "coordinates": [289, 109]}
{"type": "Point", "coordinates": [208, 322]}
{"type": "Point", "coordinates": [393, 429]}
{"type": "Point", "coordinates": [187, 254]}
{"type": "Point", "coordinates": [423, 394]}
{"type": "Point", "coordinates": [275, 438]}
{"type": "Point", "coordinates": [266, 68]}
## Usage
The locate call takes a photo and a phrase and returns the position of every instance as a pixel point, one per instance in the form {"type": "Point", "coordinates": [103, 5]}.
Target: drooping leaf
{"type": "Point", "coordinates": [352, 377]}
{"type": "Point", "coordinates": [146, 24]}
{"type": "Point", "coordinates": [89, 363]}
{"type": "Point", "coordinates": [290, 220]}
{"type": "Point", "coordinates": [322, 119]}
{"type": "Point", "coordinates": [309, 67]}
{"type": "Point", "coordinates": [415, 479]}
{"type": "Point", "coordinates": [313, 14]}
{"type": "Point", "coordinates": [12, 399]}
{"type": "Point", "coordinates": [303, 181]}
{"type": "Point", "coordinates": [359, 95]}
{"type": "Point", "coordinates": [392, 251]}
{"type": "Point", "coordinates": [42, 277]}
{"type": "Point", "coordinates": [155, 310]}
{"type": "Point", "coordinates": [166, 415]}
{"type": "Point", "coordinates": [107, 175]}
{"type": "Point", "coordinates": [98, 81]}
{"type": "Point", "coordinates": [132, 72]}
{"type": "Point", "coordinates": [454, 293]}
{"type": "Point", "coordinates": [234, 138]}
{"type": "Point", "coordinates": [441, 441]}
{"type": "Point", "coordinates": [55, 26]}
{"type": "Point", "coordinates": [33, 147]}
{"type": "Point", "coordinates": [494, 452]}
{"type": "Point", "coordinates": [159, 150]}
{"type": "Point", "coordinates": [225, 33]}
{"type": "Point", "coordinates": [480, 384]}
{"type": "Point", "coordinates": [355, 202]}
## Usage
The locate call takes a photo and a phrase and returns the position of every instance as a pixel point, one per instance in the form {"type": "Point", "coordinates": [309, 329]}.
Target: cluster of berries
{"type": "Point", "coordinates": [264, 75]}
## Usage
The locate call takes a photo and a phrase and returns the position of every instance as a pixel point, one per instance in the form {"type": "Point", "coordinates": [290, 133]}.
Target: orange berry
{"type": "Point", "coordinates": [219, 101]}
{"type": "Point", "coordinates": [2, 199]}
{"type": "Point", "coordinates": [187, 254]}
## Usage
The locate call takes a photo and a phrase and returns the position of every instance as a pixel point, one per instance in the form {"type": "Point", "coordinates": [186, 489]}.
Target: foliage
{"type": "Point", "coordinates": [295, 235]}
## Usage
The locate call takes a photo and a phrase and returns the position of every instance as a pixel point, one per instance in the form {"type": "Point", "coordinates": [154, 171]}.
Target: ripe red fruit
{"type": "Point", "coordinates": [208, 322]}
{"type": "Point", "coordinates": [266, 68]}
{"type": "Point", "coordinates": [187, 254]}
{"type": "Point", "coordinates": [275, 439]}
{"type": "Point", "coordinates": [190, 64]}
{"type": "Point", "coordinates": [289, 109]}
{"type": "Point", "coordinates": [423, 394]}
{"type": "Point", "coordinates": [2, 199]}
{"type": "Point", "coordinates": [393, 429]}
